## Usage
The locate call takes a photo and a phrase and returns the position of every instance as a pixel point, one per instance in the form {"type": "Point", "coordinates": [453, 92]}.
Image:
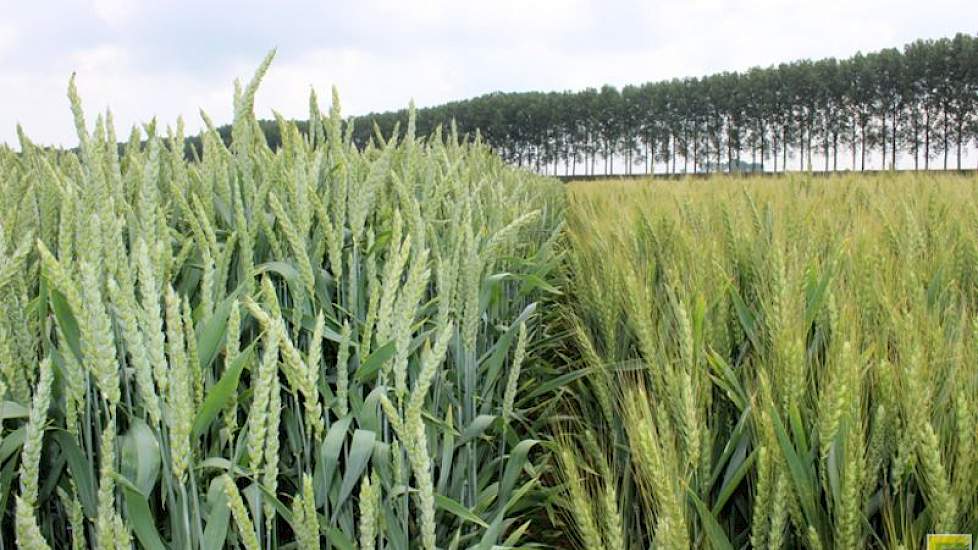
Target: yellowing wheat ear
{"type": "Point", "coordinates": [824, 342]}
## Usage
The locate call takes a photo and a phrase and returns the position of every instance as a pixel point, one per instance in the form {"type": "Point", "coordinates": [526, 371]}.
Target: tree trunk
{"type": "Point", "coordinates": [736, 151]}
{"type": "Point", "coordinates": [685, 152]}
{"type": "Point", "coordinates": [808, 144]}
{"type": "Point", "coordinates": [763, 135]}
{"type": "Point", "coordinates": [915, 124]}
{"type": "Point", "coordinates": [852, 141]}
{"type": "Point", "coordinates": [945, 138]}
{"type": "Point", "coordinates": [926, 139]}
{"type": "Point", "coordinates": [916, 141]}
{"type": "Point", "coordinates": [801, 148]}
{"type": "Point", "coordinates": [706, 153]}
{"type": "Point", "coordinates": [835, 151]}
{"type": "Point", "coordinates": [883, 137]}
{"type": "Point", "coordinates": [825, 148]}
{"type": "Point", "coordinates": [862, 144]}
{"type": "Point", "coordinates": [960, 138]}
{"type": "Point", "coordinates": [652, 157]}
{"type": "Point", "coordinates": [893, 144]}
{"type": "Point", "coordinates": [729, 150]}
{"type": "Point", "coordinates": [584, 158]}
{"type": "Point", "coordinates": [784, 146]}
{"type": "Point", "coordinates": [729, 155]}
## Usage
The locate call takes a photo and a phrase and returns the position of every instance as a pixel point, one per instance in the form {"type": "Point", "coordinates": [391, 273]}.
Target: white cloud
{"type": "Point", "coordinates": [366, 81]}
{"type": "Point", "coordinates": [115, 13]}
{"type": "Point", "coordinates": [103, 59]}
{"type": "Point", "coordinates": [106, 79]}
{"type": "Point", "coordinates": [8, 37]}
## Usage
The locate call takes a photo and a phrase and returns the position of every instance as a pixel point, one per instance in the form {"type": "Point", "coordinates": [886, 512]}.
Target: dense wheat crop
{"type": "Point", "coordinates": [407, 345]}
{"type": "Point", "coordinates": [312, 346]}
{"type": "Point", "coordinates": [772, 364]}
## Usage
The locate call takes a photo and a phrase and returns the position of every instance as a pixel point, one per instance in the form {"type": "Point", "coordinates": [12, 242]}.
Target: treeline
{"type": "Point", "coordinates": [916, 107]}
{"type": "Point", "coordinates": [920, 101]}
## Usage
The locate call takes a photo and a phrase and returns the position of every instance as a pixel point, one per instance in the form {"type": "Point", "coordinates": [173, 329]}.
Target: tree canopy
{"type": "Point", "coordinates": [919, 104]}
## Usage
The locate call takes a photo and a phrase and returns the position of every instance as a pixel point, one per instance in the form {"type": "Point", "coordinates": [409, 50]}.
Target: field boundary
{"type": "Point", "coordinates": [745, 174]}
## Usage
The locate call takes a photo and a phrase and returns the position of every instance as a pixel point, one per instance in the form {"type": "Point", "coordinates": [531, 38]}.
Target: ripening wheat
{"type": "Point", "coordinates": [774, 364]}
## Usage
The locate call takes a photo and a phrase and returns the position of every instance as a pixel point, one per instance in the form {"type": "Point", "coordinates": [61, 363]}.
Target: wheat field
{"type": "Point", "coordinates": [772, 364]}
{"type": "Point", "coordinates": [317, 345]}
{"type": "Point", "coordinates": [415, 345]}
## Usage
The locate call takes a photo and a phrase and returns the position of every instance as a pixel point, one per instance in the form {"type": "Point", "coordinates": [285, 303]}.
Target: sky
{"type": "Point", "coordinates": [171, 58]}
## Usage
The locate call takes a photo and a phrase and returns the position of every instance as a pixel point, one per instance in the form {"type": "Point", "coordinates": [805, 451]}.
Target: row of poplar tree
{"type": "Point", "coordinates": [911, 107]}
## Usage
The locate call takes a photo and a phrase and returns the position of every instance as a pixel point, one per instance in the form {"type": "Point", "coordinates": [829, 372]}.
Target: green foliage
{"type": "Point", "coordinates": [299, 347]}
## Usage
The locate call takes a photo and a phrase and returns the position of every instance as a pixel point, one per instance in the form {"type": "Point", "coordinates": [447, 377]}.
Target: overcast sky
{"type": "Point", "coordinates": [170, 58]}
